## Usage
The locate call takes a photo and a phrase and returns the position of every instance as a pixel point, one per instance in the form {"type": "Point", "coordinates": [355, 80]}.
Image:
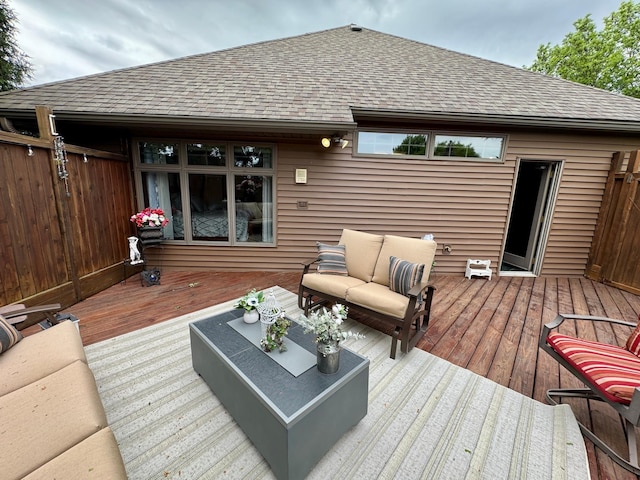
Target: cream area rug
{"type": "Point", "coordinates": [427, 418]}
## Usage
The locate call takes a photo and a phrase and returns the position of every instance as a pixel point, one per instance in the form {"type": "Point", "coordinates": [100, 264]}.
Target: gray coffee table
{"type": "Point", "coordinates": [292, 420]}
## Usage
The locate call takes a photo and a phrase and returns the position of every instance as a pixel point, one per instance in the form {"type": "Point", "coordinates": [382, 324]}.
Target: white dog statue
{"type": "Point", "coordinates": [134, 253]}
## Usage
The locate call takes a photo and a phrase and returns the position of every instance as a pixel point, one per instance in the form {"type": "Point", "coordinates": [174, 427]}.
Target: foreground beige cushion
{"type": "Point", "coordinates": [413, 250]}
{"type": "Point", "coordinates": [39, 355]}
{"type": "Point", "coordinates": [361, 252]}
{"type": "Point", "coordinates": [336, 285]}
{"type": "Point", "coordinates": [96, 457]}
{"type": "Point", "coordinates": [44, 419]}
{"type": "Point", "coordinates": [379, 298]}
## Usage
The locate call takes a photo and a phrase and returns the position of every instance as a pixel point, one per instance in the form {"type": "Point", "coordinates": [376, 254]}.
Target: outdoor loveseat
{"type": "Point", "coordinates": [382, 276]}
{"type": "Point", "coordinates": [53, 421]}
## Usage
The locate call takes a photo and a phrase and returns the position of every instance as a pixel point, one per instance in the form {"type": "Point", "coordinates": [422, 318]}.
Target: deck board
{"type": "Point", "coordinates": [490, 327]}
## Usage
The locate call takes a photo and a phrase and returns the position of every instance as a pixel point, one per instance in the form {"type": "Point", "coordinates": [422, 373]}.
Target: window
{"type": "Point", "coordinates": [159, 153]}
{"type": "Point", "coordinates": [204, 154]}
{"type": "Point", "coordinates": [196, 184]}
{"type": "Point", "coordinates": [468, 147]}
{"type": "Point", "coordinates": [380, 143]}
{"type": "Point", "coordinates": [471, 147]}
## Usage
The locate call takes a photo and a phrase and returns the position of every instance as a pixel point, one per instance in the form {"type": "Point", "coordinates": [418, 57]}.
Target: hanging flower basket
{"type": "Point", "coordinates": [149, 223]}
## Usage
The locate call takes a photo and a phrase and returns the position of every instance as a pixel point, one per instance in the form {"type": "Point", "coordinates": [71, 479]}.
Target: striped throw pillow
{"type": "Point", "coordinates": [613, 370]}
{"type": "Point", "coordinates": [403, 275]}
{"type": "Point", "coordinates": [331, 259]}
{"type": "Point", "coordinates": [9, 336]}
{"type": "Point", "coordinates": [633, 342]}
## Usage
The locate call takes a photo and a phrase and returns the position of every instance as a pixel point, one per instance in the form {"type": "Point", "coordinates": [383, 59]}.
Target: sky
{"type": "Point", "coordinates": [72, 38]}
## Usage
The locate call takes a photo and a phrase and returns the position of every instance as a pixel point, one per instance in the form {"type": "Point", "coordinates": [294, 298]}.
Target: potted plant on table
{"type": "Point", "coordinates": [250, 304]}
{"type": "Point", "coordinates": [327, 325]}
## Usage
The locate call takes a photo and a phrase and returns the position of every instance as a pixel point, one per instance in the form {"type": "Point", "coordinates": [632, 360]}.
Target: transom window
{"type": "Point", "coordinates": [467, 147]}
{"type": "Point", "coordinates": [431, 145]}
{"type": "Point", "coordinates": [211, 192]}
{"type": "Point", "coordinates": [380, 143]}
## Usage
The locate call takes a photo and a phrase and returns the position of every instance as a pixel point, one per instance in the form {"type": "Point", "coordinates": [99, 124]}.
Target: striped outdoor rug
{"type": "Point", "coordinates": [427, 418]}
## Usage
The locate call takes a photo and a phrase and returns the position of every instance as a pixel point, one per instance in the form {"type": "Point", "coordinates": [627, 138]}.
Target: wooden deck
{"type": "Point", "coordinates": [490, 327]}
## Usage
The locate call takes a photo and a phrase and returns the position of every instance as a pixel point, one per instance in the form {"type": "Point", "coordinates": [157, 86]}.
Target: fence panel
{"type": "Point", "coordinates": [60, 242]}
{"type": "Point", "coordinates": [615, 251]}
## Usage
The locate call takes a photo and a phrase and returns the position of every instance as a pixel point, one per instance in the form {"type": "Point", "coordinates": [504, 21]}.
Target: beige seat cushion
{"type": "Point", "coordinates": [39, 355]}
{"type": "Point", "coordinates": [336, 285]}
{"type": "Point", "coordinates": [413, 250]}
{"type": "Point", "coordinates": [379, 298]}
{"type": "Point", "coordinates": [361, 252]}
{"type": "Point", "coordinates": [44, 419]}
{"type": "Point", "coordinates": [96, 457]}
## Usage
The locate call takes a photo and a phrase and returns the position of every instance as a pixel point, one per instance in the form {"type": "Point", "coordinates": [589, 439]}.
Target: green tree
{"type": "Point", "coordinates": [412, 145]}
{"type": "Point", "coordinates": [608, 59]}
{"type": "Point", "coordinates": [455, 149]}
{"type": "Point", "coordinates": [15, 67]}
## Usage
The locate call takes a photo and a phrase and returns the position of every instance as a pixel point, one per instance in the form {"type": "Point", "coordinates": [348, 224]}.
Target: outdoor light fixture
{"type": "Point", "coordinates": [335, 139]}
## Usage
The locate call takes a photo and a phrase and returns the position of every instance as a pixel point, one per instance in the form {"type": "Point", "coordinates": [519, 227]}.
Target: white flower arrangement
{"type": "Point", "coordinates": [327, 325]}
{"type": "Point", "coordinates": [250, 301]}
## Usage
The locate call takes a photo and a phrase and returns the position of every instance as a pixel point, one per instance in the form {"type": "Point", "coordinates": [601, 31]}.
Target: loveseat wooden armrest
{"type": "Point", "coordinates": [32, 315]}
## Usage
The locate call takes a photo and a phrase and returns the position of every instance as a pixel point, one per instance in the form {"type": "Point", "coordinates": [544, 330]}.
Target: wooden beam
{"type": "Point", "coordinates": [44, 116]}
{"type": "Point", "coordinates": [90, 152]}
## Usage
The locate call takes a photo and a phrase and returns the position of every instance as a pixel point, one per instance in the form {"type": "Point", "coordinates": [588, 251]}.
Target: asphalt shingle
{"type": "Point", "coordinates": [318, 77]}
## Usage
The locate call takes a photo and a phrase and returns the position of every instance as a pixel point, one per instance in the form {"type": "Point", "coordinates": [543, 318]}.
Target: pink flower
{"type": "Point", "coordinates": [150, 217]}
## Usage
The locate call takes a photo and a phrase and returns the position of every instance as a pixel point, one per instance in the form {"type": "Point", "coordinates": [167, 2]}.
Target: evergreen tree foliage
{"type": "Point", "coordinates": [15, 67]}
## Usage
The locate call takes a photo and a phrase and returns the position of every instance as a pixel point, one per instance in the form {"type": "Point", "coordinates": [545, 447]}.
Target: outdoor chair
{"type": "Point", "coordinates": [610, 374]}
{"type": "Point", "coordinates": [22, 317]}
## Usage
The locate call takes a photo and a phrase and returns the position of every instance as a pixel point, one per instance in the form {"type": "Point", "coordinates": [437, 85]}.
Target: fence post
{"type": "Point", "coordinates": [47, 131]}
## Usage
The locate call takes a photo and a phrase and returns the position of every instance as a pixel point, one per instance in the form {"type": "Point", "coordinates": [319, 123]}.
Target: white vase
{"type": "Point", "coordinates": [251, 316]}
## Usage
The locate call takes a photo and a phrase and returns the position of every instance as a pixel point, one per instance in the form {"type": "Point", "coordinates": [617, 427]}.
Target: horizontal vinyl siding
{"type": "Point", "coordinates": [464, 204]}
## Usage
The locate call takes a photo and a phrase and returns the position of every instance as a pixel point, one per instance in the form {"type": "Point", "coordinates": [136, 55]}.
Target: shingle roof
{"type": "Point", "coordinates": [319, 77]}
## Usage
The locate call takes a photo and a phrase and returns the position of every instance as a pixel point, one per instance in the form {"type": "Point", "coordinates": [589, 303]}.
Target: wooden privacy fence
{"type": "Point", "coordinates": [60, 241]}
{"type": "Point", "coordinates": [615, 251]}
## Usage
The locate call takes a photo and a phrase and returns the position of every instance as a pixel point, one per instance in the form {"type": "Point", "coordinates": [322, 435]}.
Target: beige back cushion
{"type": "Point", "coordinates": [412, 250]}
{"type": "Point", "coordinates": [361, 252]}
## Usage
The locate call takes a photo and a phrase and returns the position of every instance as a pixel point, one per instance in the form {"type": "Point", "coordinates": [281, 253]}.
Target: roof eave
{"type": "Point", "coordinates": [602, 125]}
{"type": "Point", "coordinates": [182, 121]}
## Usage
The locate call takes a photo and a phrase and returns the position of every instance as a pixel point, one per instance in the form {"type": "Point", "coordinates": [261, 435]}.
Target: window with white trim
{"type": "Point", "coordinates": [211, 192]}
{"type": "Point", "coordinates": [432, 145]}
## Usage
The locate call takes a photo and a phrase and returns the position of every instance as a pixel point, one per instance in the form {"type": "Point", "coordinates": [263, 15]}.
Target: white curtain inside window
{"type": "Point", "coordinates": [267, 209]}
{"type": "Point", "coordinates": [159, 197]}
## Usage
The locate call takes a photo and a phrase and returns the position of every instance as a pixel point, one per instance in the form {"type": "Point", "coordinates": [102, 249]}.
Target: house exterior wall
{"type": "Point", "coordinates": [465, 204]}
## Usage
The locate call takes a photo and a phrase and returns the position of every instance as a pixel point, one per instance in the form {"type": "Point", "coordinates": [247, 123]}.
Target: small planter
{"type": "Point", "coordinates": [328, 357]}
{"type": "Point", "coordinates": [150, 235]}
{"type": "Point", "coordinates": [251, 316]}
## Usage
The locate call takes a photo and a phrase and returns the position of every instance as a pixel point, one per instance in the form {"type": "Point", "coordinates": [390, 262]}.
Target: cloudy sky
{"type": "Point", "coordinates": [72, 38]}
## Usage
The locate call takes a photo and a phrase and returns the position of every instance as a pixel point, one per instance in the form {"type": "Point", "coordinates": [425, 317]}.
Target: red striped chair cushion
{"type": "Point", "coordinates": [633, 342]}
{"type": "Point", "coordinates": [613, 370]}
